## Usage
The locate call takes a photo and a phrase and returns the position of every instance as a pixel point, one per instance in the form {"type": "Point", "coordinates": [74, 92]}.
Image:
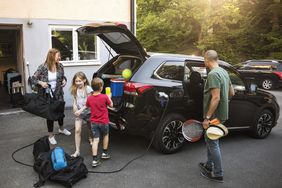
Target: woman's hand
{"type": "Point", "coordinates": [43, 84]}
{"type": "Point", "coordinates": [64, 82]}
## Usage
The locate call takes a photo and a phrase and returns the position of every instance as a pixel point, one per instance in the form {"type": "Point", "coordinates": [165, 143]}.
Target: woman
{"type": "Point", "coordinates": [52, 73]}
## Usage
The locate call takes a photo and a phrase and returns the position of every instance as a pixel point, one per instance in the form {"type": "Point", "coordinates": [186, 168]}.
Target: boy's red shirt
{"type": "Point", "coordinates": [98, 105]}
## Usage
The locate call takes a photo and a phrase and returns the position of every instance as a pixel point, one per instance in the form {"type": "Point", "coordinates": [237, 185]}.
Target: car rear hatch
{"type": "Point", "coordinates": [117, 36]}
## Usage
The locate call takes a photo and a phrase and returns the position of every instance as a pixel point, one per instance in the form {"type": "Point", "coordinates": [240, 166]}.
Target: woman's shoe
{"type": "Point", "coordinates": [52, 140]}
{"type": "Point", "coordinates": [76, 154]}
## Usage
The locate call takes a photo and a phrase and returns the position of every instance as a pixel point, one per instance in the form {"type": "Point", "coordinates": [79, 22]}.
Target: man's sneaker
{"type": "Point", "coordinates": [209, 176]}
{"type": "Point", "coordinates": [105, 156]}
{"type": "Point", "coordinates": [65, 132]}
{"type": "Point", "coordinates": [52, 140]}
{"type": "Point", "coordinates": [95, 163]}
{"type": "Point", "coordinates": [204, 168]}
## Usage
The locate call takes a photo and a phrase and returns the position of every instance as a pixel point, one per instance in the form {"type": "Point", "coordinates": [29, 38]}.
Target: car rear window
{"type": "Point", "coordinates": [117, 37]}
{"type": "Point", "coordinates": [121, 63]}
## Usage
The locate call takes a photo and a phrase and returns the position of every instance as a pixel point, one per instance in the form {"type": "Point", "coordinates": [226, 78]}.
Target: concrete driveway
{"type": "Point", "coordinates": [247, 162]}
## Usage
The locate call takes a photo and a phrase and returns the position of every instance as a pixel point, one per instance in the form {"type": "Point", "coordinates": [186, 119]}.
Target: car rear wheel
{"type": "Point", "coordinates": [267, 84]}
{"type": "Point", "coordinates": [263, 124]}
{"type": "Point", "coordinates": [169, 137]}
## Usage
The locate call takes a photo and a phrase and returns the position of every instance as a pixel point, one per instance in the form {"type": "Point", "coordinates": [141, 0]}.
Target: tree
{"type": "Point", "coordinates": [237, 29]}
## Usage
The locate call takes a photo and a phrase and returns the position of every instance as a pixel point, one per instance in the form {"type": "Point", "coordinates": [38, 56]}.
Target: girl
{"type": "Point", "coordinates": [51, 72]}
{"type": "Point", "coordinates": [80, 90]}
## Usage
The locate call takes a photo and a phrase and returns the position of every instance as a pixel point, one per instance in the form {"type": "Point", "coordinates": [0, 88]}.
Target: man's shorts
{"type": "Point", "coordinates": [97, 129]}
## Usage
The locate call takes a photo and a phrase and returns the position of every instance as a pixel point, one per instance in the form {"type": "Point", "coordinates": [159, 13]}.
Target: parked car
{"type": "Point", "coordinates": [267, 74]}
{"type": "Point", "coordinates": [264, 63]}
{"type": "Point", "coordinates": [167, 89]}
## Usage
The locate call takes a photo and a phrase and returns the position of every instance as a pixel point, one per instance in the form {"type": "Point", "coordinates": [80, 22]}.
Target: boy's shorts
{"type": "Point", "coordinates": [97, 129]}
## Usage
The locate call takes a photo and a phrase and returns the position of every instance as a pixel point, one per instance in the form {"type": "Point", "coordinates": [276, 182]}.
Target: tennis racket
{"type": "Point", "coordinates": [192, 130]}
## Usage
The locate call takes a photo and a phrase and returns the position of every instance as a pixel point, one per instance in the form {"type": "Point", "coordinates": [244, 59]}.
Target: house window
{"type": "Point", "coordinates": [74, 47]}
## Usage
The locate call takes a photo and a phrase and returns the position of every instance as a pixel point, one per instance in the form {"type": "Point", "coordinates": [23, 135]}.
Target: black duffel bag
{"type": "Point", "coordinates": [74, 172]}
{"type": "Point", "coordinates": [44, 104]}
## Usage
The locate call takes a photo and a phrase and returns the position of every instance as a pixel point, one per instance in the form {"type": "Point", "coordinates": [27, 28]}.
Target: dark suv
{"type": "Point", "coordinates": [166, 89]}
{"type": "Point", "coordinates": [265, 73]}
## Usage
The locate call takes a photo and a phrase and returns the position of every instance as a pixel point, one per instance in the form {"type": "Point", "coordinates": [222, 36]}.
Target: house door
{"type": "Point", "coordinates": [11, 65]}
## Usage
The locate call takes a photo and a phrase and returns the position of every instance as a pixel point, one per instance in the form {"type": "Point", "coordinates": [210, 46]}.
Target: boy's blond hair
{"type": "Point", "coordinates": [97, 84]}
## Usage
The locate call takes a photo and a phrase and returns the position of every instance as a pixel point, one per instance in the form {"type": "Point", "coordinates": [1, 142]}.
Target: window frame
{"type": "Point", "coordinates": [161, 78]}
{"type": "Point", "coordinates": [75, 61]}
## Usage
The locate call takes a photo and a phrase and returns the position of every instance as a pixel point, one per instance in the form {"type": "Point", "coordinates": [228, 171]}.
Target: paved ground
{"type": "Point", "coordinates": [248, 162]}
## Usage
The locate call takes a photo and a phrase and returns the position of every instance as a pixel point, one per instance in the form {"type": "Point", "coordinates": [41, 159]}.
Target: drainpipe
{"type": "Point", "coordinates": [133, 16]}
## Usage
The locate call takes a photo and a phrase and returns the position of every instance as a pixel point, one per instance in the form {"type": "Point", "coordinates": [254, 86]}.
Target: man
{"type": "Point", "coordinates": [217, 91]}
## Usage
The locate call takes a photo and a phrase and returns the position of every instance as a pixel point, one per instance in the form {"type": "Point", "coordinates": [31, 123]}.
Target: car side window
{"type": "Point", "coordinates": [279, 67]}
{"type": "Point", "coordinates": [195, 66]}
{"type": "Point", "coordinates": [172, 70]}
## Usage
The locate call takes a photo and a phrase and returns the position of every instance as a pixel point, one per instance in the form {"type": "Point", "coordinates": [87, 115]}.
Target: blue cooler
{"type": "Point", "coordinates": [117, 87]}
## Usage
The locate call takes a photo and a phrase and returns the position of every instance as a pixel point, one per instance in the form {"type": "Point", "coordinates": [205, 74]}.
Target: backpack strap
{"type": "Point", "coordinates": [42, 179]}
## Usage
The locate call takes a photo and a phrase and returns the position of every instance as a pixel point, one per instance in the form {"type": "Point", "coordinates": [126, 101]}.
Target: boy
{"type": "Point", "coordinates": [98, 103]}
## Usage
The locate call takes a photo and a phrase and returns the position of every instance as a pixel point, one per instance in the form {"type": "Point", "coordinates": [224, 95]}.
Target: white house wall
{"type": "Point", "coordinates": [105, 10]}
{"type": "Point", "coordinates": [36, 37]}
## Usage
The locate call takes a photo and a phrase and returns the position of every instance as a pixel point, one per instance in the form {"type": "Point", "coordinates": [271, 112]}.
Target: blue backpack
{"type": "Point", "coordinates": [58, 158]}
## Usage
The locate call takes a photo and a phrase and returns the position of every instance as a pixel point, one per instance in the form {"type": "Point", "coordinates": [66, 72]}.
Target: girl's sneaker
{"type": "Point", "coordinates": [76, 154]}
{"type": "Point", "coordinates": [52, 140]}
{"type": "Point", "coordinates": [95, 163]}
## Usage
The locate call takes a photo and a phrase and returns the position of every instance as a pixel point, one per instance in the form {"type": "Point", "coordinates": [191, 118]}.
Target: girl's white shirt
{"type": "Point", "coordinates": [81, 96]}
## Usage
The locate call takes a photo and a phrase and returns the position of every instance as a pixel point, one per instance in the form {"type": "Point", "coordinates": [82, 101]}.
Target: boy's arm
{"type": "Point", "coordinates": [110, 102]}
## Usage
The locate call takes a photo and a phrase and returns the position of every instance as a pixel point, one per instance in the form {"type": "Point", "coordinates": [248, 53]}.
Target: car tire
{"type": "Point", "coordinates": [267, 84]}
{"type": "Point", "coordinates": [168, 135]}
{"type": "Point", "coordinates": [263, 125]}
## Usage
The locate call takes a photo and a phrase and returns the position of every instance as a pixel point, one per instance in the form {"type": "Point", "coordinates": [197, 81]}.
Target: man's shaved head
{"type": "Point", "coordinates": [211, 55]}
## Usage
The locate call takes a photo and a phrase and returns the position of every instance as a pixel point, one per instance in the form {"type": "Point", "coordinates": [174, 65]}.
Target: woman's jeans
{"type": "Point", "coordinates": [214, 156]}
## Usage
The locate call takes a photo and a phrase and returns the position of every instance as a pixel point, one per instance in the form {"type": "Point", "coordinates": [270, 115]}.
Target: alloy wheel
{"type": "Point", "coordinates": [267, 84]}
{"type": "Point", "coordinates": [172, 135]}
{"type": "Point", "coordinates": [264, 125]}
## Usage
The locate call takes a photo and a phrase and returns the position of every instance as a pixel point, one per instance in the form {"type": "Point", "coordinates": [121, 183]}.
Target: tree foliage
{"type": "Point", "coordinates": [237, 29]}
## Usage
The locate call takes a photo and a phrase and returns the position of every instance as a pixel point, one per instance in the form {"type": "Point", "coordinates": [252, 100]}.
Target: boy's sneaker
{"type": "Point", "coordinates": [65, 132]}
{"type": "Point", "coordinates": [52, 140]}
{"type": "Point", "coordinates": [105, 156]}
{"type": "Point", "coordinates": [95, 163]}
{"type": "Point", "coordinates": [209, 176]}
{"type": "Point", "coordinates": [204, 168]}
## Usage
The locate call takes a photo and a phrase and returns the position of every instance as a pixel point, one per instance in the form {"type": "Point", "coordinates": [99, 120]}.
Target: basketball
{"type": "Point", "coordinates": [126, 73]}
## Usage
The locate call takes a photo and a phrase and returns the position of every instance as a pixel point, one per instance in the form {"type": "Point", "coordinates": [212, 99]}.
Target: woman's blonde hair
{"type": "Point", "coordinates": [50, 59]}
{"type": "Point", "coordinates": [97, 84]}
{"type": "Point", "coordinates": [81, 76]}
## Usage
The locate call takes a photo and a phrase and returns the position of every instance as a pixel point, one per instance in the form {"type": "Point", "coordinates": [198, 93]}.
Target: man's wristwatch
{"type": "Point", "coordinates": [208, 118]}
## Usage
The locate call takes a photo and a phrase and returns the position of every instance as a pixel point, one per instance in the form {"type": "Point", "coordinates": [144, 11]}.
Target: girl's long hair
{"type": "Point", "coordinates": [81, 76]}
{"type": "Point", "coordinates": [50, 59]}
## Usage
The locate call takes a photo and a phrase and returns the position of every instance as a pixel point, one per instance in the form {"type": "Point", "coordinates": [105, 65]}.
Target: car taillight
{"type": "Point", "coordinates": [279, 74]}
{"type": "Point", "coordinates": [135, 89]}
